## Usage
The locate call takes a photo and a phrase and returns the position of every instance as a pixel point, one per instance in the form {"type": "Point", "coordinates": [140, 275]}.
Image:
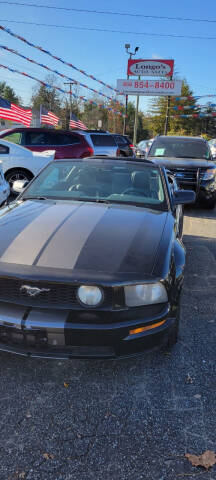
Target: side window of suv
{"type": "Point", "coordinates": [103, 140]}
{"type": "Point", "coordinates": [15, 137]}
{"type": "Point", "coordinates": [68, 139]}
{"type": "Point", "coordinates": [121, 140]}
{"type": "Point", "coordinates": [36, 138]}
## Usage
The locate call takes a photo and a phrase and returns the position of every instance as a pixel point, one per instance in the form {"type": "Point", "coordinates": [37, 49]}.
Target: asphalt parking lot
{"type": "Point", "coordinates": [126, 420]}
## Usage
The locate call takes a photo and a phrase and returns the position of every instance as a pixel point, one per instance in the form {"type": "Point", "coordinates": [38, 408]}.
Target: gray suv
{"type": "Point", "coordinates": [102, 142]}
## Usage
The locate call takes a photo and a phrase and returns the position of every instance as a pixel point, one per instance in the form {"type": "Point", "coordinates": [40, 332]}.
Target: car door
{"type": "Point", "coordinates": [70, 145]}
{"type": "Point", "coordinates": [37, 141]}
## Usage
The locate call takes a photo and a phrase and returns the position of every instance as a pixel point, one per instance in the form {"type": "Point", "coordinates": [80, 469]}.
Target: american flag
{"type": "Point", "coordinates": [76, 123]}
{"type": "Point", "coordinates": [48, 117]}
{"type": "Point", "coordinates": [10, 111]}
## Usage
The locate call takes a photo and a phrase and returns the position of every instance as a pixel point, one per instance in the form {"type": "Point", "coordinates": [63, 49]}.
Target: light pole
{"type": "Point", "coordinates": [127, 46]}
{"type": "Point", "coordinates": [70, 83]}
{"type": "Point", "coordinates": [166, 126]}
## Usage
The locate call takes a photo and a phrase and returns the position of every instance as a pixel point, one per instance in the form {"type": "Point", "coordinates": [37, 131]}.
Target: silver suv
{"type": "Point", "coordinates": [102, 142]}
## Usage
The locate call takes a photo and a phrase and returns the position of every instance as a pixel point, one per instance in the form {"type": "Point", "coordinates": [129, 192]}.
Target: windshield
{"type": "Point", "coordinates": [99, 181]}
{"type": "Point", "coordinates": [180, 148]}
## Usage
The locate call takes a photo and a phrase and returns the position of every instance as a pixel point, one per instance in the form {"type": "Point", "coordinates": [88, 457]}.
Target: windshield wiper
{"type": "Point", "coordinates": [94, 200]}
{"type": "Point", "coordinates": [195, 158]}
{"type": "Point", "coordinates": [34, 198]}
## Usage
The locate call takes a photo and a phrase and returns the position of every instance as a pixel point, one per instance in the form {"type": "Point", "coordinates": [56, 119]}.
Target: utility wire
{"type": "Point", "coordinates": [173, 35]}
{"type": "Point", "coordinates": [57, 58]}
{"type": "Point", "coordinates": [4, 47]}
{"type": "Point", "coordinates": [104, 12]}
{"type": "Point", "coordinates": [47, 85]}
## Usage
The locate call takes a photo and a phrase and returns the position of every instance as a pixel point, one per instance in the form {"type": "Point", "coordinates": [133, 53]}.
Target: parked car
{"type": "Point", "coordinates": [212, 145]}
{"type": "Point", "coordinates": [66, 144]}
{"type": "Point", "coordinates": [4, 187]}
{"type": "Point", "coordinates": [126, 148]}
{"type": "Point", "coordinates": [143, 147]}
{"type": "Point", "coordinates": [102, 142]}
{"type": "Point", "coordinates": [190, 160]}
{"type": "Point", "coordinates": [18, 163]}
{"type": "Point", "coordinates": [91, 261]}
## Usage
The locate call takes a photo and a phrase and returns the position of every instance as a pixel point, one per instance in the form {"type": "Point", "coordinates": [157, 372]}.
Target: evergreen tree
{"type": "Point", "coordinates": [48, 97]}
{"type": "Point", "coordinates": [8, 93]}
{"type": "Point", "coordinates": [176, 126]}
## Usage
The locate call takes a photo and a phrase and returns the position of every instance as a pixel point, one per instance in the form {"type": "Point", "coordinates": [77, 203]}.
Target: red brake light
{"type": "Point", "coordinates": [89, 152]}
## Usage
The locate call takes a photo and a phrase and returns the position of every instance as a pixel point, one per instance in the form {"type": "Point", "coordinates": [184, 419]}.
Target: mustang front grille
{"type": "Point", "coordinates": [53, 295]}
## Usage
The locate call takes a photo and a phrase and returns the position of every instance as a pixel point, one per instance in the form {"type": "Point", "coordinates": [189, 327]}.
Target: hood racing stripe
{"type": "Point", "coordinates": [16, 220]}
{"type": "Point", "coordinates": [31, 239]}
{"type": "Point", "coordinates": [73, 236]}
{"type": "Point", "coordinates": [110, 240]}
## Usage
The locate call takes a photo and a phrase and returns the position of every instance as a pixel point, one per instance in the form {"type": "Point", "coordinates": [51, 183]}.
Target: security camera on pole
{"type": "Point", "coordinates": [127, 46]}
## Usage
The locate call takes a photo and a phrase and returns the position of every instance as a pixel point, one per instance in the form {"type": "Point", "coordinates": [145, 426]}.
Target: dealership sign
{"type": "Point", "coordinates": [149, 87]}
{"type": "Point", "coordinates": [151, 68]}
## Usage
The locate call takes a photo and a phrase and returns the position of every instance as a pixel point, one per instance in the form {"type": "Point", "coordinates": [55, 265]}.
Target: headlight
{"type": "Point", "coordinates": [209, 174]}
{"type": "Point", "coordinates": [145, 294]}
{"type": "Point", "coordinates": [89, 295]}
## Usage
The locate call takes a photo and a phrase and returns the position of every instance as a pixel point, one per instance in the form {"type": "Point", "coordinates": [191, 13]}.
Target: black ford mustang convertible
{"type": "Point", "coordinates": [92, 261]}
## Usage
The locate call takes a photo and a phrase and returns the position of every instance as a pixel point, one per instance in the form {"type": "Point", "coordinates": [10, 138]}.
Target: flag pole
{"type": "Point", "coordinates": [40, 113]}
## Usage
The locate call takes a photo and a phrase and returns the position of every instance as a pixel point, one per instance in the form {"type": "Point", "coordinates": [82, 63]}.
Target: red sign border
{"type": "Point", "coordinates": [170, 63]}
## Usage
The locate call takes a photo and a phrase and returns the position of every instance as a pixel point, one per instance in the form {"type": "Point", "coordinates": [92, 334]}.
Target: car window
{"type": "Point", "coordinates": [121, 140]}
{"type": "Point", "coordinates": [103, 140]}
{"type": "Point", "coordinates": [101, 181]}
{"type": "Point", "coordinates": [68, 139]}
{"type": "Point", "coordinates": [36, 138]}
{"type": "Point", "coordinates": [180, 148]}
{"type": "Point", "coordinates": [15, 137]}
{"type": "Point", "coordinates": [3, 149]}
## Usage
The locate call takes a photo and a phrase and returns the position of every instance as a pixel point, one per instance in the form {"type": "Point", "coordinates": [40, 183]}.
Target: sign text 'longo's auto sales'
{"type": "Point", "coordinates": [150, 87]}
{"type": "Point", "coordinates": [151, 68]}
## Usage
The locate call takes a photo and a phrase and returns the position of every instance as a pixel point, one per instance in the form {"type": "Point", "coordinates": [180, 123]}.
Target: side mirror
{"type": "Point", "coordinates": [182, 197]}
{"type": "Point", "coordinates": [19, 186]}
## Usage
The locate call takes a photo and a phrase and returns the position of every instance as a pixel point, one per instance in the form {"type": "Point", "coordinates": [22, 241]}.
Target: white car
{"type": "Point", "coordinates": [4, 187]}
{"type": "Point", "coordinates": [143, 147]}
{"type": "Point", "coordinates": [19, 163]}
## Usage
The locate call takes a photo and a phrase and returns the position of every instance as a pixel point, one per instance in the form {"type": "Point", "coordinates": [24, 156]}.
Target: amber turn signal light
{"type": "Point", "coordinates": [143, 329]}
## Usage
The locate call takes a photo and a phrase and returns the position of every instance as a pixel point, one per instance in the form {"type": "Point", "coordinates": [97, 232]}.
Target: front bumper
{"type": "Point", "coordinates": [65, 334]}
{"type": "Point", "coordinates": [205, 191]}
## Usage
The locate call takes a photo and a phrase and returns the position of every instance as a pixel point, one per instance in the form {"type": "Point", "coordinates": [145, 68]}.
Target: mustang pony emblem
{"type": "Point", "coordinates": [33, 291]}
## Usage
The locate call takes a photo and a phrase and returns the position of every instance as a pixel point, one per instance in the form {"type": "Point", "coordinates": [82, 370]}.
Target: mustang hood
{"type": "Point", "coordinates": [79, 239]}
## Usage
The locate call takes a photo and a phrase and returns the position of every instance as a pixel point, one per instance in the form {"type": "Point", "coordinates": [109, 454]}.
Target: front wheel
{"type": "Point", "coordinates": [173, 336]}
{"type": "Point", "coordinates": [210, 204]}
{"type": "Point", "coordinates": [17, 174]}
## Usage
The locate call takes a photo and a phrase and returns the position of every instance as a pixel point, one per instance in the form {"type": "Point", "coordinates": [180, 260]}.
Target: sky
{"type": "Point", "coordinates": [102, 53]}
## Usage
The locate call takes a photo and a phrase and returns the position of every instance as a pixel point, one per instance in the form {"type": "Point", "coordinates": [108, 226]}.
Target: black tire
{"type": "Point", "coordinates": [210, 204]}
{"type": "Point", "coordinates": [173, 336]}
{"type": "Point", "coordinates": [18, 174]}
{"type": "Point", "coordinates": [181, 225]}
{"type": "Point", "coordinates": [122, 154]}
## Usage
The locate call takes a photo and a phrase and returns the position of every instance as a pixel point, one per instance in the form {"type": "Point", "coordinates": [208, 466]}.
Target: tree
{"type": "Point", "coordinates": [181, 126]}
{"type": "Point", "coordinates": [92, 114]}
{"type": "Point", "coordinates": [48, 97]}
{"type": "Point", "coordinates": [8, 93]}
